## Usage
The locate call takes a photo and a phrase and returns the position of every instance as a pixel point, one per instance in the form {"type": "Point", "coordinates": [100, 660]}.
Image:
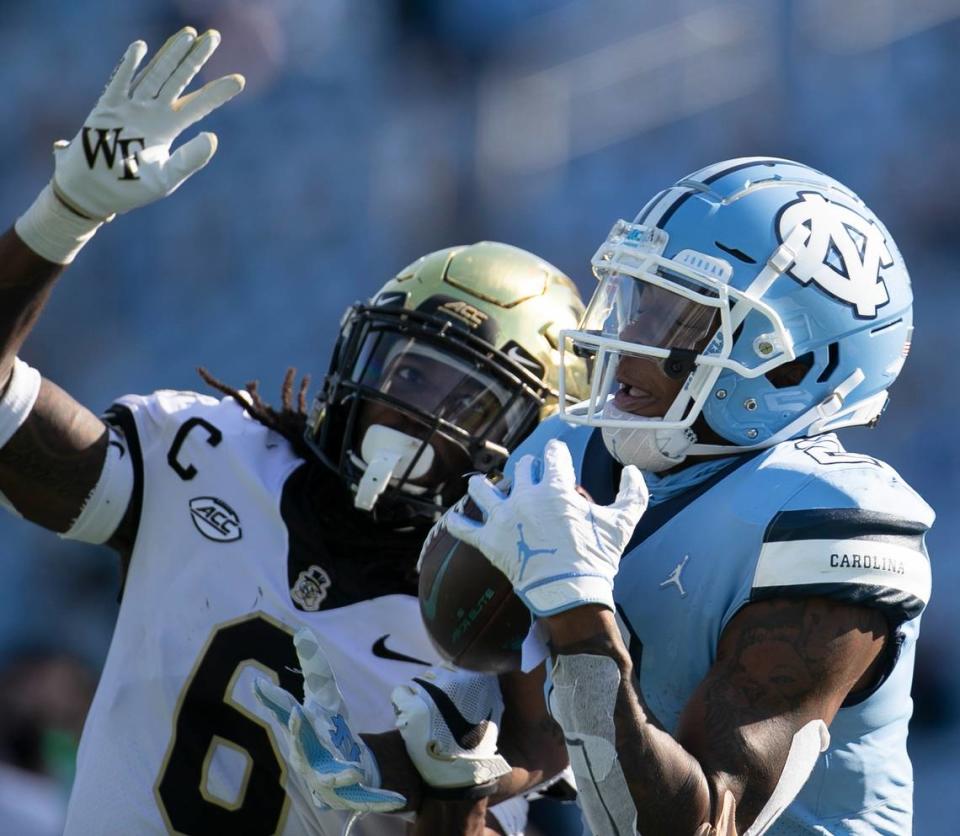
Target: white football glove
{"type": "Point", "coordinates": [449, 720]}
{"type": "Point", "coordinates": [334, 763]}
{"type": "Point", "coordinates": [121, 157]}
{"type": "Point", "coordinates": [559, 549]}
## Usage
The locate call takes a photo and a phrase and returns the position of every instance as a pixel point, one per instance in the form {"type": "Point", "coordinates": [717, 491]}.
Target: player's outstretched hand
{"type": "Point", "coordinates": [449, 720]}
{"type": "Point", "coordinates": [121, 157]}
{"type": "Point", "coordinates": [333, 762]}
{"type": "Point", "coordinates": [559, 549]}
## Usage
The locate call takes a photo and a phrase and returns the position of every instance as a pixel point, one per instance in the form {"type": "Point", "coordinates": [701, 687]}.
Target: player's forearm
{"type": "Point", "coordinates": [452, 818]}
{"type": "Point", "coordinates": [52, 449]}
{"type": "Point", "coordinates": [536, 754]}
{"type": "Point", "coordinates": [26, 280]}
{"type": "Point", "coordinates": [519, 781]}
{"type": "Point", "coordinates": [530, 739]}
{"type": "Point", "coordinates": [669, 788]}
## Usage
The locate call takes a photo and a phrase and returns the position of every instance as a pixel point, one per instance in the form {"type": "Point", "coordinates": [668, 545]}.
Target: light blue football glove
{"type": "Point", "coordinates": [334, 763]}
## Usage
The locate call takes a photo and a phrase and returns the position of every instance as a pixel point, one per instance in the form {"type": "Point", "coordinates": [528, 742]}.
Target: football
{"type": "Point", "coordinates": [469, 608]}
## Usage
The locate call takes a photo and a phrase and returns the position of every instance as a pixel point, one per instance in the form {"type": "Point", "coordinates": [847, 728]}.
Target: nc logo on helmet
{"type": "Point", "coordinates": [843, 254]}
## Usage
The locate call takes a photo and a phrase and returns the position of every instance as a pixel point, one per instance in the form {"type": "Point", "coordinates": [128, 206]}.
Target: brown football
{"type": "Point", "coordinates": [470, 610]}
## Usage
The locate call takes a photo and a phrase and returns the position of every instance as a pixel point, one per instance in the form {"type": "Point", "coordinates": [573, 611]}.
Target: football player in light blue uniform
{"type": "Point", "coordinates": [769, 598]}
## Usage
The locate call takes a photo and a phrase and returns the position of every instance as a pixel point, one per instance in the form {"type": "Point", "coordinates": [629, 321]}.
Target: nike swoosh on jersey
{"type": "Point", "coordinates": [118, 445]}
{"type": "Point", "coordinates": [381, 651]}
{"type": "Point", "coordinates": [466, 734]}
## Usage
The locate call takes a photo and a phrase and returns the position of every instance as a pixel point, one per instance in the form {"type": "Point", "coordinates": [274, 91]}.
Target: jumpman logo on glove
{"type": "Point", "coordinates": [524, 552]}
{"type": "Point", "coordinates": [545, 506]}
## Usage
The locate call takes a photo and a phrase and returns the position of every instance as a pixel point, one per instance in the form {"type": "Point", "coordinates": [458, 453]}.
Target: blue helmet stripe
{"type": "Point", "coordinates": [659, 210]}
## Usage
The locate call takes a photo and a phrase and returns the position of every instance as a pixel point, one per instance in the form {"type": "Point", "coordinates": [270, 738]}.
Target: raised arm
{"type": "Point", "coordinates": [53, 451]}
{"type": "Point", "coordinates": [52, 459]}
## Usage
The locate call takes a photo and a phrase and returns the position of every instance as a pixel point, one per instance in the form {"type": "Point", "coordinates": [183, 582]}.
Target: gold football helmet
{"type": "Point", "coordinates": [450, 365]}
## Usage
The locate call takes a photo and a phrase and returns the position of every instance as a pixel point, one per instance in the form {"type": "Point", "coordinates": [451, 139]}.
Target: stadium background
{"type": "Point", "coordinates": [372, 131]}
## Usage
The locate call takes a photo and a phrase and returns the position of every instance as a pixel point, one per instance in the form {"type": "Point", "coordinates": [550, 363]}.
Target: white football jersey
{"type": "Point", "coordinates": [175, 741]}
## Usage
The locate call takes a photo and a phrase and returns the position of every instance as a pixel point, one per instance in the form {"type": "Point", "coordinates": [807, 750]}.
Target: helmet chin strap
{"type": "Point", "coordinates": [383, 452]}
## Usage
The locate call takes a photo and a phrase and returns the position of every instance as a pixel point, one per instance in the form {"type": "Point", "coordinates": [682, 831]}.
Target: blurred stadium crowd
{"type": "Point", "coordinates": [374, 130]}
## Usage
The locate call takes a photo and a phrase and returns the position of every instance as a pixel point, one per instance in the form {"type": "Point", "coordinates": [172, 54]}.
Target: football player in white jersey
{"type": "Point", "coordinates": [239, 524]}
{"type": "Point", "coordinates": [736, 628]}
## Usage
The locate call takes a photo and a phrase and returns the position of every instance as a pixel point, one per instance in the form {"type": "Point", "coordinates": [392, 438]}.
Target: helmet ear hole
{"type": "Point", "coordinates": [833, 360]}
{"type": "Point", "coordinates": [792, 373]}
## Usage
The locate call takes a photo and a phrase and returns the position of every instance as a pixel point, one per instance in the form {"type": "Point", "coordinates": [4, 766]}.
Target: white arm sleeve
{"type": "Point", "coordinates": [805, 749]}
{"type": "Point", "coordinates": [582, 699]}
{"type": "Point", "coordinates": [108, 501]}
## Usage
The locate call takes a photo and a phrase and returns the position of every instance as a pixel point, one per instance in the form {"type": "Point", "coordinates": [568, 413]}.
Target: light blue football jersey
{"type": "Point", "coordinates": [799, 519]}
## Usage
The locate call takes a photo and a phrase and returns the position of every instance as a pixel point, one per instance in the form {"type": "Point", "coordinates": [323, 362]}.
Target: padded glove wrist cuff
{"type": "Point", "coordinates": [554, 595]}
{"type": "Point", "coordinates": [53, 231]}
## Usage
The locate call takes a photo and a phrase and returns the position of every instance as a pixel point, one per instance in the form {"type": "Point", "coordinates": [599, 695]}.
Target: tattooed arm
{"type": "Point", "coordinates": [780, 664]}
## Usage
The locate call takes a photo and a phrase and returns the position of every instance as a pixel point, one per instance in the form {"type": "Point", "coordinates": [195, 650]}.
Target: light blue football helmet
{"type": "Point", "coordinates": [733, 272]}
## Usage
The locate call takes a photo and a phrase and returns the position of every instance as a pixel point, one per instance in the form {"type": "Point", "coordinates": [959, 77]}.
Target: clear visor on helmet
{"type": "Point", "coordinates": [643, 341]}
{"type": "Point", "coordinates": [658, 332]}
{"type": "Point", "coordinates": [629, 309]}
{"type": "Point", "coordinates": [435, 382]}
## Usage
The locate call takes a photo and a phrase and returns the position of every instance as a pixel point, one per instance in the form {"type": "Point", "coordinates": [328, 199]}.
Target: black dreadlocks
{"type": "Point", "coordinates": [290, 421]}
